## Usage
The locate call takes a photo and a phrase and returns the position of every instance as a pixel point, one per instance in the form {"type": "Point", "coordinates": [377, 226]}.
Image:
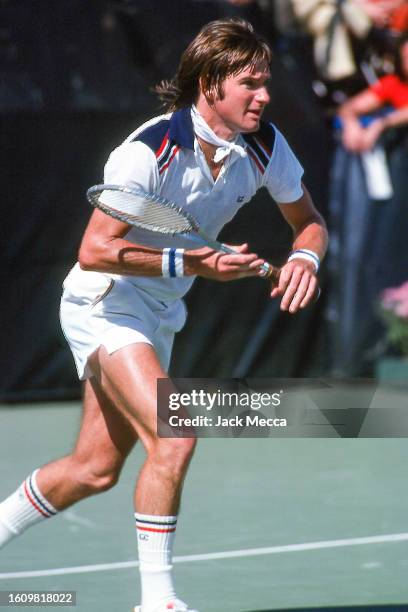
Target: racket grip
{"type": "Point", "coordinates": [271, 272]}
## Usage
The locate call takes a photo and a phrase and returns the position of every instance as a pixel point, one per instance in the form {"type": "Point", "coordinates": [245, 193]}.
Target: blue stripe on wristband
{"type": "Point", "coordinates": [172, 263]}
{"type": "Point", "coordinates": [311, 253]}
{"type": "Point", "coordinates": [306, 254]}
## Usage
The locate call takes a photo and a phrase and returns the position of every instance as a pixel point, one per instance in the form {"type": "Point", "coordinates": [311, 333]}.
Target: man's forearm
{"type": "Point", "coordinates": [313, 236]}
{"type": "Point", "coordinates": [395, 119]}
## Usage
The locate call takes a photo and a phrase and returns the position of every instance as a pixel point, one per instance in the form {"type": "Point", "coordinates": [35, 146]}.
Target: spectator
{"type": "Point", "coordinates": [370, 248]}
{"type": "Point", "coordinates": [390, 14]}
{"type": "Point", "coordinates": [388, 90]}
{"type": "Point", "coordinates": [389, 21]}
{"type": "Point", "coordinates": [353, 41]}
{"type": "Point", "coordinates": [333, 25]}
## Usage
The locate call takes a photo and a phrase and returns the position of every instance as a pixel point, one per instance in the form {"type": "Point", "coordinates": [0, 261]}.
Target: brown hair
{"type": "Point", "coordinates": [222, 48]}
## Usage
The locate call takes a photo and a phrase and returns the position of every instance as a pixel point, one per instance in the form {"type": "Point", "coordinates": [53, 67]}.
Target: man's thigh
{"type": "Point", "coordinates": [106, 436]}
{"type": "Point", "coordinates": [129, 378]}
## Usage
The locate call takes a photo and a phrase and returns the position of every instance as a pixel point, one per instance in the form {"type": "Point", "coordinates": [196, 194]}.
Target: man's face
{"type": "Point", "coordinates": [245, 97]}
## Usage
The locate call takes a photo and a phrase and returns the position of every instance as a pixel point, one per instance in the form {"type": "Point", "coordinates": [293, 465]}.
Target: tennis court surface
{"type": "Point", "coordinates": [266, 524]}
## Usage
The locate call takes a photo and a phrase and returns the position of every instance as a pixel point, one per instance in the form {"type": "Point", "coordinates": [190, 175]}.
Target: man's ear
{"type": "Point", "coordinates": [208, 94]}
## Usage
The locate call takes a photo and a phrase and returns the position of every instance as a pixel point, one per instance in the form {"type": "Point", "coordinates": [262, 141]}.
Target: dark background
{"type": "Point", "coordinates": [76, 79]}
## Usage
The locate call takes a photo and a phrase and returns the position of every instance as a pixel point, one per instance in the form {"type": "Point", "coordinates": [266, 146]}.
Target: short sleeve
{"type": "Point", "coordinates": [283, 175]}
{"type": "Point", "coordinates": [384, 88]}
{"type": "Point", "coordinates": [132, 164]}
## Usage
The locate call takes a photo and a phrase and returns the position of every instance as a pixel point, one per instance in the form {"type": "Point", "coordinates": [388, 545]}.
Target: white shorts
{"type": "Point", "coordinates": [97, 309]}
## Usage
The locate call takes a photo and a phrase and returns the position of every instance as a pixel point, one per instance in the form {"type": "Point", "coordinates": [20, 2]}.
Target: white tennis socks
{"type": "Point", "coordinates": [23, 508]}
{"type": "Point", "coordinates": [155, 537]}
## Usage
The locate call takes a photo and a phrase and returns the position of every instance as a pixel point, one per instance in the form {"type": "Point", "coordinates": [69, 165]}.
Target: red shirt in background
{"type": "Point", "coordinates": [390, 89]}
{"type": "Point", "coordinates": [399, 19]}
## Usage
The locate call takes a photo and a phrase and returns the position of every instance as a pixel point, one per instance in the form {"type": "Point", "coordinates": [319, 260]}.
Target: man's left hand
{"type": "Point", "coordinates": [298, 285]}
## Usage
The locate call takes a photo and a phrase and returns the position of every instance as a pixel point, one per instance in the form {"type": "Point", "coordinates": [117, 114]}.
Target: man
{"type": "Point", "coordinates": [122, 302]}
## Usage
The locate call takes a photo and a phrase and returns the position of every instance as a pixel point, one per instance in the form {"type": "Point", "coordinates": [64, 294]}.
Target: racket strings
{"type": "Point", "coordinates": [149, 211]}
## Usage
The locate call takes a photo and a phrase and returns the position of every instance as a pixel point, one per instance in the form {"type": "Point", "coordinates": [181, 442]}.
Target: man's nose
{"type": "Point", "coordinates": [263, 95]}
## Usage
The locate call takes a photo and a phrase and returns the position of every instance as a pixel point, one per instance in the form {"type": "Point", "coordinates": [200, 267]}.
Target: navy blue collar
{"type": "Point", "coordinates": [181, 128]}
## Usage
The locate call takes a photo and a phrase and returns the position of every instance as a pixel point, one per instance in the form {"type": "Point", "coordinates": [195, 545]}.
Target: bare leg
{"type": "Point", "coordinates": [105, 440]}
{"type": "Point", "coordinates": [129, 377]}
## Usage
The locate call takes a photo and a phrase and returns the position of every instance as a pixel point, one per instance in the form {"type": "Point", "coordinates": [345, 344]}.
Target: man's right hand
{"type": "Point", "coordinates": [219, 266]}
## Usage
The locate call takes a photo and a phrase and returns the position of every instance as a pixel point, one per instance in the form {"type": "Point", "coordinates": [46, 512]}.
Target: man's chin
{"type": "Point", "coordinates": [251, 126]}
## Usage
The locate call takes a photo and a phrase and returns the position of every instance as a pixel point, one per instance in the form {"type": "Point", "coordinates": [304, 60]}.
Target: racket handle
{"type": "Point", "coordinates": [271, 272]}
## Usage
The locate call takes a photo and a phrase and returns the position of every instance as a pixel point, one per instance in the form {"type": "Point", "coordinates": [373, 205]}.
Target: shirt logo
{"type": "Point", "coordinates": [240, 198]}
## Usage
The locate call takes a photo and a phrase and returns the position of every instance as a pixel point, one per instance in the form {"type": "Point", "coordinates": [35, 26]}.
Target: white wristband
{"type": "Point", "coordinates": [173, 263]}
{"type": "Point", "coordinates": [307, 255]}
{"type": "Point", "coordinates": [179, 262]}
{"type": "Point", "coordinates": [165, 263]}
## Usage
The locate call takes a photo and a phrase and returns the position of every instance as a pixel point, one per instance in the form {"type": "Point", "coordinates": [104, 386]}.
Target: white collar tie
{"type": "Point", "coordinates": [224, 147]}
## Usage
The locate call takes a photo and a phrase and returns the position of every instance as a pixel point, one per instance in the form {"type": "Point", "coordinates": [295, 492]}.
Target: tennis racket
{"type": "Point", "coordinates": [155, 213]}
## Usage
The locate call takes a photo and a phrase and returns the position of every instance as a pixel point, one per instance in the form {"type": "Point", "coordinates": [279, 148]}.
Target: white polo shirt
{"type": "Point", "coordinates": [163, 156]}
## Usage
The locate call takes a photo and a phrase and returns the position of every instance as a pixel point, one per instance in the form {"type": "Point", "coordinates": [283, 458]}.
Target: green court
{"type": "Point", "coordinates": [266, 524]}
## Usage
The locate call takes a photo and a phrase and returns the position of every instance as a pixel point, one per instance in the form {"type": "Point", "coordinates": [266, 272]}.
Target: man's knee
{"type": "Point", "coordinates": [95, 478]}
{"type": "Point", "coordinates": [173, 454]}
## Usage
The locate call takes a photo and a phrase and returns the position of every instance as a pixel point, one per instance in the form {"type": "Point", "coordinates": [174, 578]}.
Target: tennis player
{"type": "Point", "coordinates": [122, 302]}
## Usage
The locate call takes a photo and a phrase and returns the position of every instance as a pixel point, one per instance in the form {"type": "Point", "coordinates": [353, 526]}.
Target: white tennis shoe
{"type": "Point", "coordinates": [173, 606]}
